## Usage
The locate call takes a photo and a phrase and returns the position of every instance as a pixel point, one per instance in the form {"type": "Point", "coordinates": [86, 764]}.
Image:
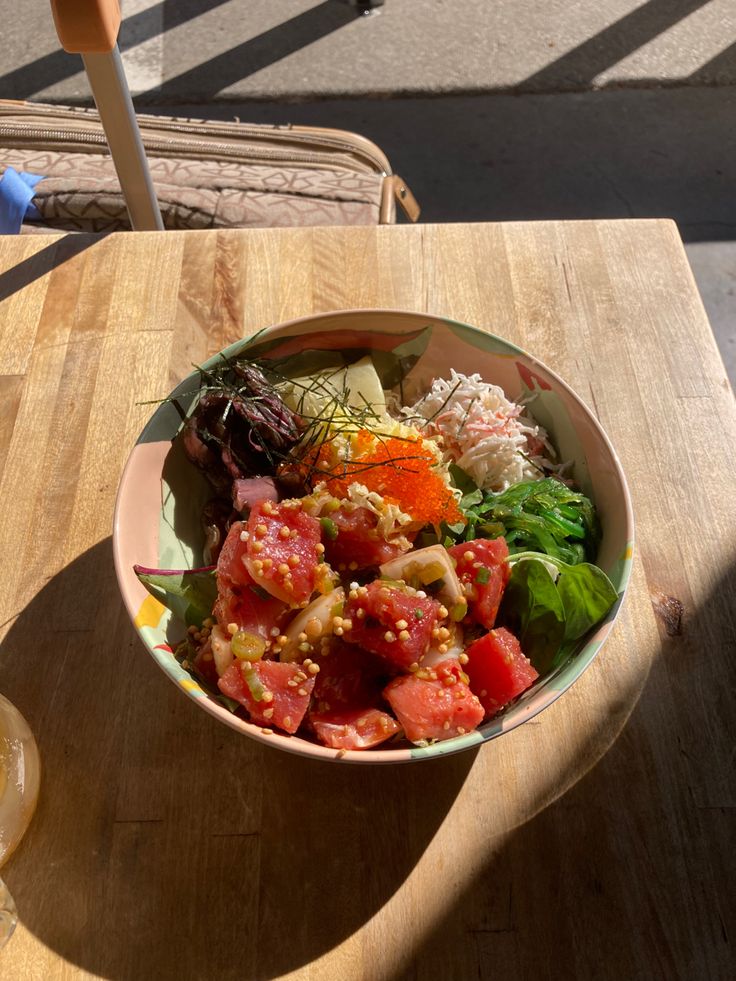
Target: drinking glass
{"type": "Point", "coordinates": [20, 773]}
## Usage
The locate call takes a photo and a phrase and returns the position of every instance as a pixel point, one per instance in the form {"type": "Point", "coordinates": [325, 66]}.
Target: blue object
{"type": "Point", "coordinates": [16, 193]}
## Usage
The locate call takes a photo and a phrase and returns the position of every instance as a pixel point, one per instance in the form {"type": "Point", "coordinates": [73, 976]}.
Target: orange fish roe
{"type": "Point", "coordinates": [400, 470]}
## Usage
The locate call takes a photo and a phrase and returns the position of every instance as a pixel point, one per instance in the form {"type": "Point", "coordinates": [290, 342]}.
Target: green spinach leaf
{"type": "Point", "coordinates": [190, 594]}
{"type": "Point", "coordinates": [533, 610]}
{"type": "Point", "coordinates": [552, 604]}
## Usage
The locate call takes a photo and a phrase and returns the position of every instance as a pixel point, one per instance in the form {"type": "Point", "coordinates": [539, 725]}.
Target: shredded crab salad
{"type": "Point", "coordinates": [482, 431]}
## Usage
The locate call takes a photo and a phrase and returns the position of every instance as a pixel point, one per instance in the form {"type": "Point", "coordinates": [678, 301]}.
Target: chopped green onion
{"type": "Point", "coordinates": [482, 575]}
{"type": "Point", "coordinates": [250, 676]}
{"type": "Point", "coordinates": [459, 611]}
{"type": "Point", "coordinates": [248, 647]}
{"type": "Point", "coordinates": [329, 528]}
{"type": "Point", "coordinates": [419, 614]}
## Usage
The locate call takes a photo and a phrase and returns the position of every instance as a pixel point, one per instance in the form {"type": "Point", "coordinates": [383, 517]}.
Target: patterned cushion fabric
{"type": "Point", "coordinates": [81, 192]}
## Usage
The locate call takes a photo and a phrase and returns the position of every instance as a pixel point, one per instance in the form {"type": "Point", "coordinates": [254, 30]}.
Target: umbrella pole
{"type": "Point", "coordinates": [115, 106]}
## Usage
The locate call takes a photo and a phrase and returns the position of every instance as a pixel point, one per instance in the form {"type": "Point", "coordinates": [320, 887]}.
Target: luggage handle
{"type": "Point", "coordinates": [90, 28]}
{"type": "Point", "coordinates": [87, 25]}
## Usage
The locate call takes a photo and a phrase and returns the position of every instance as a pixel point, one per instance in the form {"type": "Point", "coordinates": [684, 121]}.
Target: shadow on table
{"type": "Point", "coordinates": [629, 874]}
{"type": "Point", "coordinates": [166, 845]}
{"type": "Point", "coordinates": [59, 251]}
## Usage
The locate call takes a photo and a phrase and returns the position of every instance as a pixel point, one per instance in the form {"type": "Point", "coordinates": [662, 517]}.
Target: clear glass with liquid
{"type": "Point", "coordinates": [20, 772]}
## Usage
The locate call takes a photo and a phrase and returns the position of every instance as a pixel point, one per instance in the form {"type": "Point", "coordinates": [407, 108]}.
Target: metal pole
{"type": "Point", "coordinates": [115, 106]}
{"type": "Point", "coordinates": [90, 28]}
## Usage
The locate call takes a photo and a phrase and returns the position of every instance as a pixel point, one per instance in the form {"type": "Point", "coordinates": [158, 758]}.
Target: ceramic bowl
{"type": "Point", "coordinates": [161, 494]}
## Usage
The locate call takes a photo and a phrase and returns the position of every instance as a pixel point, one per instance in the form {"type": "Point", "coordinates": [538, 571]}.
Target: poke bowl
{"type": "Point", "coordinates": [373, 536]}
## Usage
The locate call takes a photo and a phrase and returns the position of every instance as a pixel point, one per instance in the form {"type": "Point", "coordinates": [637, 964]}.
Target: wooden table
{"type": "Point", "coordinates": [596, 841]}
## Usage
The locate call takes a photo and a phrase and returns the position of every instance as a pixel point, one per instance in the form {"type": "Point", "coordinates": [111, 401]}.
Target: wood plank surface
{"type": "Point", "coordinates": [596, 841]}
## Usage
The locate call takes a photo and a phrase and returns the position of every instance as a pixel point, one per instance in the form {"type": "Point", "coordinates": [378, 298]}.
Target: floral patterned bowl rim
{"type": "Point", "coordinates": [145, 533]}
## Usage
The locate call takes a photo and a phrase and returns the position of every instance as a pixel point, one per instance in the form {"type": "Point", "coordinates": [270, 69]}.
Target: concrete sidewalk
{"type": "Point", "coordinates": [490, 109]}
{"type": "Point", "coordinates": [236, 50]}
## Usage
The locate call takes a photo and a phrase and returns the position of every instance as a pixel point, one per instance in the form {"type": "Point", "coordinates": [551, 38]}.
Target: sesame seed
{"type": "Point", "coordinates": [267, 696]}
{"type": "Point", "coordinates": [232, 629]}
{"type": "Point", "coordinates": [353, 585]}
{"type": "Point", "coordinates": [442, 612]}
{"type": "Point", "coordinates": [463, 658]}
{"type": "Point", "coordinates": [261, 530]}
{"type": "Point", "coordinates": [244, 536]}
{"type": "Point", "coordinates": [404, 635]}
{"type": "Point", "coordinates": [258, 566]}
{"type": "Point", "coordinates": [313, 668]}
{"type": "Point", "coordinates": [267, 507]}
{"type": "Point", "coordinates": [469, 556]}
{"type": "Point", "coordinates": [449, 681]}
{"type": "Point", "coordinates": [389, 637]}
{"type": "Point", "coordinates": [444, 633]}
{"type": "Point", "coordinates": [287, 721]}
{"type": "Point", "coordinates": [413, 667]}
{"type": "Point", "coordinates": [305, 647]}
{"type": "Point", "coordinates": [446, 724]}
{"type": "Point", "coordinates": [421, 594]}
{"type": "Point", "coordinates": [347, 624]}
{"type": "Point", "coordinates": [302, 691]}
{"type": "Point", "coordinates": [294, 561]}
{"type": "Point", "coordinates": [291, 683]}
{"type": "Point", "coordinates": [268, 713]}
{"type": "Point", "coordinates": [360, 613]}
{"type": "Point", "coordinates": [338, 631]}
{"type": "Point", "coordinates": [337, 621]}
{"type": "Point", "coordinates": [300, 676]}
{"type": "Point", "coordinates": [435, 632]}
{"type": "Point", "coordinates": [293, 533]}
{"type": "Point", "coordinates": [274, 631]}
{"type": "Point", "coordinates": [267, 732]}
{"type": "Point", "coordinates": [442, 648]}
{"type": "Point", "coordinates": [283, 568]}
{"type": "Point", "coordinates": [401, 624]}
{"type": "Point", "coordinates": [460, 731]}
{"type": "Point", "coordinates": [302, 637]}
{"type": "Point", "coordinates": [319, 548]}
{"type": "Point", "coordinates": [257, 546]}
{"type": "Point", "coordinates": [267, 563]}
{"type": "Point", "coordinates": [283, 532]}
{"type": "Point", "coordinates": [283, 639]}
